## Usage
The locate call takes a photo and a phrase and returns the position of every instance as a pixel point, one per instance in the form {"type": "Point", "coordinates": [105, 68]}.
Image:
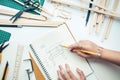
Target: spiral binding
{"type": "Point", "coordinates": [40, 62]}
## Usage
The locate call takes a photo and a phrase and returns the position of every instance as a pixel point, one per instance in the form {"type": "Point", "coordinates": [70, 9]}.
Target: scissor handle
{"type": "Point", "coordinates": [30, 6]}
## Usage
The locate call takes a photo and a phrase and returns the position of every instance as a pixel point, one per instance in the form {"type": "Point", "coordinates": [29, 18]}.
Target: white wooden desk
{"type": "Point", "coordinates": [102, 70]}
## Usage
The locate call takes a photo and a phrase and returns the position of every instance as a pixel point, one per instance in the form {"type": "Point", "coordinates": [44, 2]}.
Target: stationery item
{"type": "Point", "coordinates": [91, 9]}
{"type": "Point", "coordinates": [10, 12]}
{"type": "Point", "coordinates": [22, 3]}
{"type": "Point", "coordinates": [18, 60]}
{"type": "Point", "coordinates": [4, 36]}
{"type": "Point", "coordinates": [37, 72]}
{"type": "Point", "coordinates": [85, 51]}
{"type": "Point", "coordinates": [29, 71]}
{"type": "Point", "coordinates": [2, 47]}
{"type": "Point", "coordinates": [49, 54]}
{"type": "Point", "coordinates": [88, 13]}
{"type": "Point", "coordinates": [40, 7]}
{"type": "Point", "coordinates": [12, 26]}
{"type": "Point", "coordinates": [5, 71]}
{"type": "Point", "coordinates": [26, 8]}
{"type": "Point", "coordinates": [31, 23]}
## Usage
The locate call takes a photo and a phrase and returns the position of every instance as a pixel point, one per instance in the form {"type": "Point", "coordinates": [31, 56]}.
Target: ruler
{"type": "Point", "coordinates": [18, 62]}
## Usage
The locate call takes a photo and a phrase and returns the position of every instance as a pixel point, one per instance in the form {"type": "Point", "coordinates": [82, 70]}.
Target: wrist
{"type": "Point", "coordinates": [99, 52]}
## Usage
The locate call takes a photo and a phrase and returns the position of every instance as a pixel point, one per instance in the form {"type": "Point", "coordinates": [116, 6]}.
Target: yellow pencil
{"type": "Point", "coordinates": [0, 57]}
{"type": "Point", "coordinates": [5, 71]}
{"type": "Point", "coordinates": [84, 51]}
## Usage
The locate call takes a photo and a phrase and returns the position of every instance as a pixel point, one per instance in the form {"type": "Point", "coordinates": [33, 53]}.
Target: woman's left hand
{"type": "Point", "coordinates": [67, 74]}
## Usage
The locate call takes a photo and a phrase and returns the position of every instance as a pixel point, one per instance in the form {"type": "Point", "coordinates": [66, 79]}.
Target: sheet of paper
{"type": "Point", "coordinates": [52, 54]}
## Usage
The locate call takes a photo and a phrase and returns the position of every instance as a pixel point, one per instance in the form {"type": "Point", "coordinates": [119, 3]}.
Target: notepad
{"type": "Point", "coordinates": [50, 54]}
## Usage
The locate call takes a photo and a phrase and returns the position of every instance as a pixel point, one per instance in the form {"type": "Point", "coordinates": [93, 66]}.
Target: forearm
{"type": "Point", "coordinates": [110, 55]}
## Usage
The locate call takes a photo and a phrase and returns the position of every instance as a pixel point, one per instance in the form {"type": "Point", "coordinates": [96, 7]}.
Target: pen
{"type": "Point", "coordinates": [88, 13]}
{"type": "Point", "coordinates": [5, 71]}
{"type": "Point", "coordinates": [12, 26]}
{"type": "Point", "coordinates": [84, 51]}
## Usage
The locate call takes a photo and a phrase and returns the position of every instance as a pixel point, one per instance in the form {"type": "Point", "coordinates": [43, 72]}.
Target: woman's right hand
{"type": "Point", "coordinates": [85, 45]}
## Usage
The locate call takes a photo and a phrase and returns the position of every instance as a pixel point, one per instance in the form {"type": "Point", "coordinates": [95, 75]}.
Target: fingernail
{"type": "Point", "coordinates": [78, 70]}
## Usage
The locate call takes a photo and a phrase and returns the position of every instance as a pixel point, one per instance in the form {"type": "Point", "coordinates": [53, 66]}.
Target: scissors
{"type": "Point", "coordinates": [2, 47]}
{"type": "Point", "coordinates": [28, 6]}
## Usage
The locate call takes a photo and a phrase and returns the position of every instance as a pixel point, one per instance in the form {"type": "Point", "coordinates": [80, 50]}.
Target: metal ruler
{"type": "Point", "coordinates": [18, 60]}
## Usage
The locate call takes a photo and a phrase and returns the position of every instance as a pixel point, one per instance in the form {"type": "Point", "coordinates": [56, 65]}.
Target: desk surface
{"type": "Point", "coordinates": [76, 24]}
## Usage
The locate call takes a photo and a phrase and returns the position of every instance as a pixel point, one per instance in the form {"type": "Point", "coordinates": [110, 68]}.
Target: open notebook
{"type": "Point", "coordinates": [50, 54]}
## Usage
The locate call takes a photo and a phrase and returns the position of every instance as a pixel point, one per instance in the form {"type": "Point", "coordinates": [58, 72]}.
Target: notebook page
{"type": "Point", "coordinates": [52, 54]}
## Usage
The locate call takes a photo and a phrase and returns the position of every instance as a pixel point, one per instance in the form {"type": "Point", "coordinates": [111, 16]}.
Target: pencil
{"type": "Point", "coordinates": [0, 57]}
{"type": "Point", "coordinates": [84, 51]}
{"type": "Point", "coordinates": [5, 71]}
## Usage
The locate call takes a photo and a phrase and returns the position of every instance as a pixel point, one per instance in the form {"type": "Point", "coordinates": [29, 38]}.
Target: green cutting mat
{"type": "Point", "coordinates": [15, 5]}
{"type": "Point", "coordinates": [4, 36]}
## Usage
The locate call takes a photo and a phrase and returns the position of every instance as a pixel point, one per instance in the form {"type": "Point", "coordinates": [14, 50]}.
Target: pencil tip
{"type": "Point", "coordinates": [7, 63]}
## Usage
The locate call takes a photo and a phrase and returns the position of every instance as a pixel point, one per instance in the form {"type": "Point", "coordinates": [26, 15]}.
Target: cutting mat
{"type": "Point", "coordinates": [15, 5]}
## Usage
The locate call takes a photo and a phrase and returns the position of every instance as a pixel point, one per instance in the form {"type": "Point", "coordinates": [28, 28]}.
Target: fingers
{"type": "Point", "coordinates": [70, 73]}
{"type": "Point", "coordinates": [84, 45]}
{"type": "Point", "coordinates": [63, 73]}
{"type": "Point", "coordinates": [82, 54]}
{"type": "Point", "coordinates": [81, 74]}
{"type": "Point", "coordinates": [59, 75]}
{"type": "Point", "coordinates": [67, 74]}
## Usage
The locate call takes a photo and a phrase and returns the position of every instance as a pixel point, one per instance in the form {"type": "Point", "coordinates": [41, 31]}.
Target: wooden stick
{"type": "Point", "coordinates": [78, 6]}
{"type": "Point", "coordinates": [102, 2]}
{"type": "Point", "coordinates": [100, 6]}
{"type": "Point", "coordinates": [81, 1]}
{"type": "Point", "coordinates": [93, 21]}
{"type": "Point", "coordinates": [107, 30]}
{"type": "Point", "coordinates": [100, 17]}
{"type": "Point", "coordinates": [32, 23]}
{"type": "Point", "coordinates": [10, 12]}
{"type": "Point", "coordinates": [45, 10]}
{"type": "Point", "coordinates": [115, 5]}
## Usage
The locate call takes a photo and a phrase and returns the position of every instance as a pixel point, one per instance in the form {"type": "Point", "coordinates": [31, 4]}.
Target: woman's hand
{"type": "Point", "coordinates": [85, 45]}
{"type": "Point", "coordinates": [67, 74]}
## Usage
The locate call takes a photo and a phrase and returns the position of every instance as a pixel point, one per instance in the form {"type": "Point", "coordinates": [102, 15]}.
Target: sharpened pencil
{"type": "Point", "coordinates": [84, 51]}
